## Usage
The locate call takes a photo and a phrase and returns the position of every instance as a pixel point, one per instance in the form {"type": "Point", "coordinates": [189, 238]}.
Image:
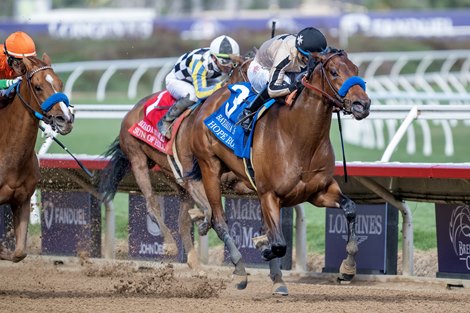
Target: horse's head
{"type": "Point", "coordinates": [337, 76]}
{"type": "Point", "coordinates": [44, 96]}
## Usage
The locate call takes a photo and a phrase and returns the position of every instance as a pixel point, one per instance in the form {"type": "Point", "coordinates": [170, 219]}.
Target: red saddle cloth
{"type": "Point", "coordinates": [146, 130]}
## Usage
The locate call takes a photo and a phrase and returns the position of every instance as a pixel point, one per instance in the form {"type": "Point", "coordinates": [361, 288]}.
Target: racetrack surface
{"type": "Point", "coordinates": [60, 284]}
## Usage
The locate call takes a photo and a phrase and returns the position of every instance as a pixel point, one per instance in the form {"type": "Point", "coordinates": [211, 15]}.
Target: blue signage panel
{"type": "Point", "coordinates": [70, 223]}
{"type": "Point", "coordinates": [7, 235]}
{"type": "Point", "coordinates": [245, 222]}
{"type": "Point", "coordinates": [453, 240]}
{"type": "Point", "coordinates": [145, 237]}
{"type": "Point", "coordinates": [377, 236]}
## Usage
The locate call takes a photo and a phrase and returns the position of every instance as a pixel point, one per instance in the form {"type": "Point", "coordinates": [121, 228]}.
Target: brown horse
{"type": "Point", "coordinates": [127, 152]}
{"type": "Point", "coordinates": [292, 156]}
{"type": "Point", "coordinates": [37, 97]}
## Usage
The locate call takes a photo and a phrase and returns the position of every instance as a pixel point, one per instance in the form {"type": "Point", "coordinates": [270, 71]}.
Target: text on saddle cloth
{"type": "Point", "coordinates": [146, 130]}
{"type": "Point", "coordinates": [222, 123]}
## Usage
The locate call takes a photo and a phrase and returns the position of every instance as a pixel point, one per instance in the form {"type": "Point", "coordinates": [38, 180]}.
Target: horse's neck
{"type": "Point", "coordinates": [22, 128]}
{"type": "Point", "coordinates": [313, 116]}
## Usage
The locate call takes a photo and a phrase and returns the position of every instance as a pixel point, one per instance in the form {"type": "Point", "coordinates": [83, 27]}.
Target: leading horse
{"type": "Point", "coordinates": [129, 153]}
{"type": "Point", "coordinates": [292, 156]}
{"type": "Point", "coordinates": [37, 97]}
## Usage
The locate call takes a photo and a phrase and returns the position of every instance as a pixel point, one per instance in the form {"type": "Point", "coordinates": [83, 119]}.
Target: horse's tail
{"type": "Point", "coordinates": [114, 172]}
{"type": "Point", "coordinates": [195, 172]}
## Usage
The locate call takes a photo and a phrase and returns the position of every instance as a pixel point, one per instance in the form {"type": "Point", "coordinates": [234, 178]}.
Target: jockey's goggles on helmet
{"type": "Point", "coordinates": [223, 58]}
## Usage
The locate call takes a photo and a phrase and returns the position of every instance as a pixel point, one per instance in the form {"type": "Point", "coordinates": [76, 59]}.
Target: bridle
{"type": "Point", "coordinates": [239, 67]}
{"type": "Point", "coordinates": [45, 106]}
{"type": "Point", "coordinates": [339, 100]}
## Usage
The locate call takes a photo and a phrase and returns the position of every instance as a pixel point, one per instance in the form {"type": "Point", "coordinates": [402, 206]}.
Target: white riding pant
{"type": "Point", "coordinates": [179, 88]}
{"type": "Point", "coordinates": [258, 76]}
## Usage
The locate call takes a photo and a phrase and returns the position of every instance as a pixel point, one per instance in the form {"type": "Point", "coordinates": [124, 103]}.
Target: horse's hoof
{"type": "Point", "coordinates": [203, 228]}
{"type": "Point", "coordinates": [170, 249]}
{"type": "Point", "coordinates": [193, 260]}
{"type": "Point", "coordinates": [346, 269]}
{"type": "Point", "coordinates": [18, 257]}
{"type": "Point", "coordinates": [240, 281]}
{"type": "Point", "coordinates": [345, 278]}
{"type": "Point", "coordinates": [280, 289]}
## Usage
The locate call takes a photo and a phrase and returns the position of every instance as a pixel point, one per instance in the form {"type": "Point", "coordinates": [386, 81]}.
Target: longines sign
{"type": "Point", "coordinates": [377, 236]}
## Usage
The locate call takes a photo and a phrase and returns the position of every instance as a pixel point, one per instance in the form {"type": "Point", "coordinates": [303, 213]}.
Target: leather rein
{"type": "Point", "coordinates": [338, 101]}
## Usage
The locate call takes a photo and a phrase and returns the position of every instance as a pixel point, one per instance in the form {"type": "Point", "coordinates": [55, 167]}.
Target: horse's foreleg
{"type": "Point", "coordinates": [276, 246]}
{"type": "Point", "coordinates": [142, 177]}
{"type": "Point", "coordinates": [279, 287]}
{"type": "Point", "coordinates": [348, 266]}
{"type": "Point", "coordinates": [211, 172]}
{"type": "Point", "coordinates": [20, 224]}
{"type": "Point", "coordinates": [185, 226]}
{"type": "Point", "coordinates": [333, 198]}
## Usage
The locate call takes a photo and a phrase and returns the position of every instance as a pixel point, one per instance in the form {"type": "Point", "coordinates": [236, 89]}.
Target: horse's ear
{"type": "Point", "coordinates": [237, 59]}
{"type": "Point", "coordinates": [46, 59]}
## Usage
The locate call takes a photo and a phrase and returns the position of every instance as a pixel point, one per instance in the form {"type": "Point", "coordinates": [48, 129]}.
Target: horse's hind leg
{"type": "Point", "coordinates": [185, 225]}
{"type": "Point", "coordinates": [142, 176]}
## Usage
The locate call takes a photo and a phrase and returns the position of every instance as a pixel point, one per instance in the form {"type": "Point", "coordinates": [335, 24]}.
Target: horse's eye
{"type": "Point", "coordinates": [37, 88]}
{"type": "Point", "coordinates": [334, 73]}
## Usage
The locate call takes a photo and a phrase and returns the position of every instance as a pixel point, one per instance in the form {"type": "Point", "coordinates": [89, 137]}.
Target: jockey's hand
{"type": "Point", "coordinates": [13, 81]}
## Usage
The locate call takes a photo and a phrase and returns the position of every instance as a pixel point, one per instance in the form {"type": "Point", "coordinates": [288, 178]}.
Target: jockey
{"type": "Point", "coordinates": [196, 75]}
{"type": "Point", "coordinates": [15, 47]}
{"type": "Point", "coordinates": [277, 62]}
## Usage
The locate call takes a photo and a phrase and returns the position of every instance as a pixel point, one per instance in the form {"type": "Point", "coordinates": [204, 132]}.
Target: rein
{"type": "Point", "coordinates": [339, 100]}
{"type": "Point", "coordinates": [47, 105]}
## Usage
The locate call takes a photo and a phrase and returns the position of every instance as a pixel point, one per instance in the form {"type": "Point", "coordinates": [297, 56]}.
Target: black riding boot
{"type": "Point", "coordinates": [250, 110]}
{"type": "Point", "coordinates": [164, 125]}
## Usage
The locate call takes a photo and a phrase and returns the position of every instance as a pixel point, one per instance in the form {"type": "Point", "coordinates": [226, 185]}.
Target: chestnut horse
{"type": "Point", "coordinates": [37, 97]}
{"type": "Point", "coordinates": [292, 156]}
{"type": "Point", "coordinates": [129, 153]}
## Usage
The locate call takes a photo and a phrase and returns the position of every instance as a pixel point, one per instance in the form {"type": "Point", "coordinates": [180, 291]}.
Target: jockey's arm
{"type": "Point", "coordinates": [277, 86]}
{"type": "Point", "coordinates": [200, 81]}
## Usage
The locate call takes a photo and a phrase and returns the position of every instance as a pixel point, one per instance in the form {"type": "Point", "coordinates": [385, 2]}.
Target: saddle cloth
{"type": "Point", "coordinates": [222, 123]}
{"type": "Point", "coordinates": [146, 130]}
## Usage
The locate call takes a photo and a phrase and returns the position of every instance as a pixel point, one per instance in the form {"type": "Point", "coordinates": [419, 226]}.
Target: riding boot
{"type": "Point", "coordinates": [250, 110]}
{"type": "Point", "coordinates": [164, 125]}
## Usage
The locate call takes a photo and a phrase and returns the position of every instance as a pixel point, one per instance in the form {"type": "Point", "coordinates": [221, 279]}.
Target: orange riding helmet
{"type": "Point", "coordinates": [19, 45]}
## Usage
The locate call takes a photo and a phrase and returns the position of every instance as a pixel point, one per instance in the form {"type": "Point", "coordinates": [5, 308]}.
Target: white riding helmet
{"type": "Point", "coordinates": [223, 45]}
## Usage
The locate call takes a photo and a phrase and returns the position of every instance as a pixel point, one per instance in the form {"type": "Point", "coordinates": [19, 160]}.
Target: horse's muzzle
{"type": "Point", "coordinates": [360, 109]}
{"type": "Point", "coordinates": [61, 124]}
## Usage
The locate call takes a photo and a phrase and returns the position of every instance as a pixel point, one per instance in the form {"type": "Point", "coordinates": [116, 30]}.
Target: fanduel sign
{"type": "Point", "coordinates": [70, 223]}
{"type": "Point", "coordinates": [453, 240]}
{"type": "Point", "coordinates": [377, 236]}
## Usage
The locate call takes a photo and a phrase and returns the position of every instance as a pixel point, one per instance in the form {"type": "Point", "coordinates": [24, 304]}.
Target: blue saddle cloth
{"type": "Point", "coordinates": [222, 123]}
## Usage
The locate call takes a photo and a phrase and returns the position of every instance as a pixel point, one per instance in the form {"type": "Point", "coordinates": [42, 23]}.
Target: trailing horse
{"type": "Point", "coordinates": [292, 156]}
{"type": "Point", "coordinates": [37, 97]}
{"type": "Point", "coordinates": [130, 153]}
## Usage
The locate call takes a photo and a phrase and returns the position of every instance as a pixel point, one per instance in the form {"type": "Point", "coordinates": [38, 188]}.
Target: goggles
{"type": "Point", "coordinates": [223, 58]}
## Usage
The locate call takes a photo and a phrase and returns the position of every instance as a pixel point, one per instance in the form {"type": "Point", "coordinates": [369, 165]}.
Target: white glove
{"type": "Point", "coordinates": [10, 82]}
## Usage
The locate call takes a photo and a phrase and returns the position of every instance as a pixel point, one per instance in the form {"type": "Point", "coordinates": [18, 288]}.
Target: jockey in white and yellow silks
{"type": "Point", "coordinates": [196, 75]}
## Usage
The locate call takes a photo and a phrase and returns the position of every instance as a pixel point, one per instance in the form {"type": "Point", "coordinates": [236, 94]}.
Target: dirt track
{"type": "Point", "coordinates": [81, 285]}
